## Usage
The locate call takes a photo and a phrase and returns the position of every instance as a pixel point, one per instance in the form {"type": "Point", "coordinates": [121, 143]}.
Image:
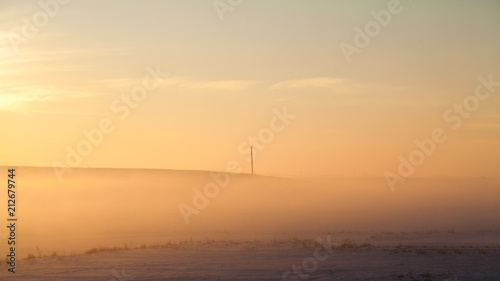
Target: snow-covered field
{"type": "Point", "coordinates": [261, 263]}
{"type": "Point", "coordinates": [255, 228]}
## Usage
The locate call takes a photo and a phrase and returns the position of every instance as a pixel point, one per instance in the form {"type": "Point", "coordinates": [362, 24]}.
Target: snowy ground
{"type": "Point", "coordinates": [246, 263]}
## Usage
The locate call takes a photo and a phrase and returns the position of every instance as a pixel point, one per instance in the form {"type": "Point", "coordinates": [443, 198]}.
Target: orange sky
{"type": "Point", "coordinates": [227, 77]}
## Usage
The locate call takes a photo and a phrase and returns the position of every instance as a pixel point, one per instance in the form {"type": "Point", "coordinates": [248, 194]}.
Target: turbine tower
{"type": "Point", "coordinates": [251, 157]}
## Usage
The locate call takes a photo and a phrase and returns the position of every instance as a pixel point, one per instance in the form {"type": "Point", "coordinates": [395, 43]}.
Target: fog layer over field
{"type": "Point", "coordinates": [114, 207]}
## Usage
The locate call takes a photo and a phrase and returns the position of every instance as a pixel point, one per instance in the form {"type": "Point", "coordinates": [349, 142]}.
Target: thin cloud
{"type": "Point", "coordinates": [228, 85]}
{"type": "Point", "coordinates": [12, 99]}
{"type": "Point", "coordinates": [319, 82]}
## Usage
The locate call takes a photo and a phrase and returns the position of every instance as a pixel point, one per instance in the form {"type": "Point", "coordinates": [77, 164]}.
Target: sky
{"type": "Point", "coordinates": [235, 69]}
